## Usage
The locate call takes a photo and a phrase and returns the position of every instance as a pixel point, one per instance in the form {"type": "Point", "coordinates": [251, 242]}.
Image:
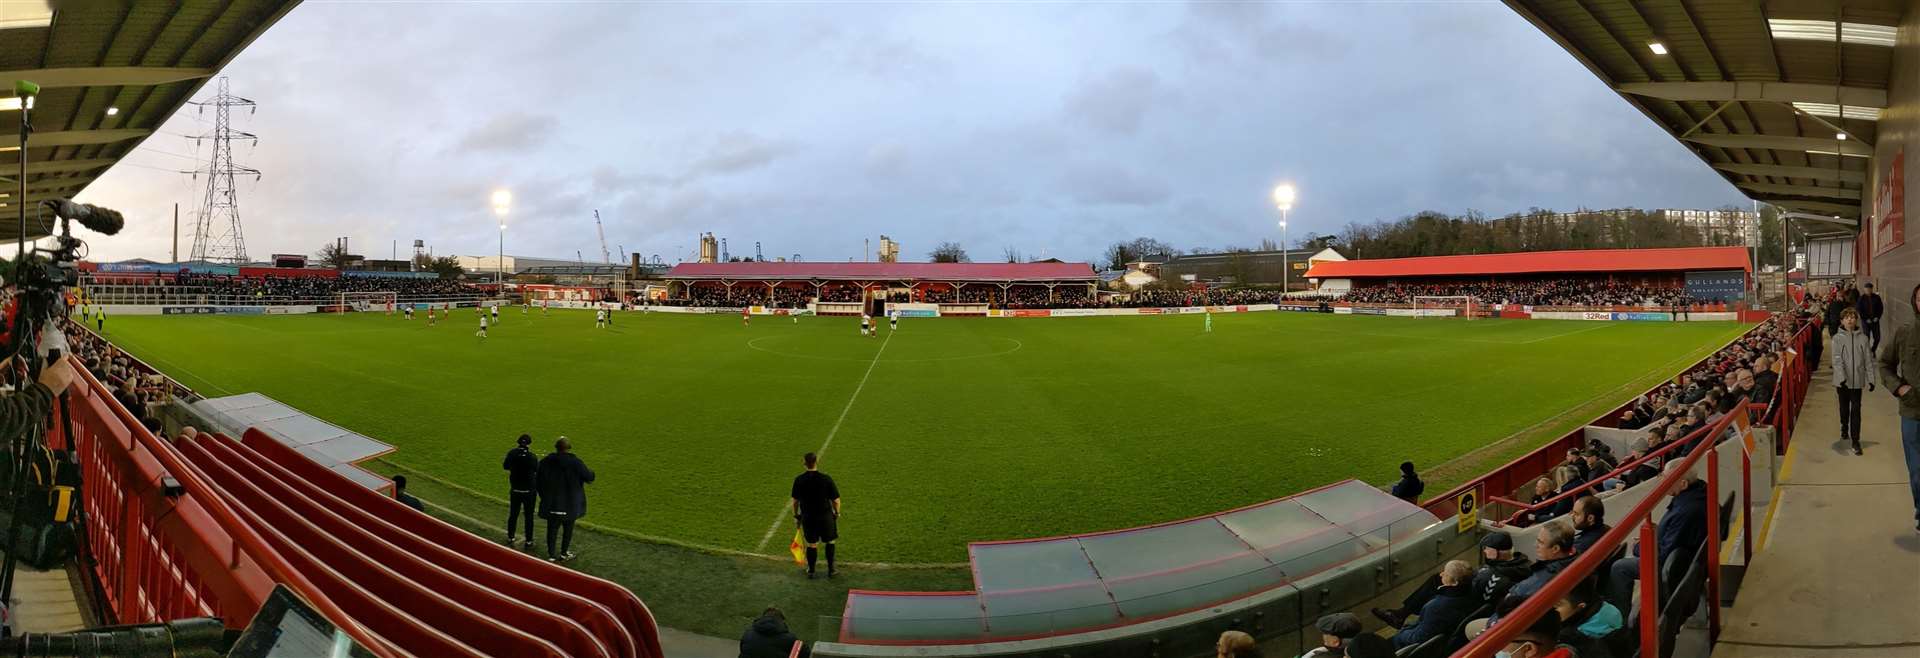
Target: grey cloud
{"type": "Point", "coordinates": [1110, 185]}
{"type": "Point", "coordinates": [507, 131]}
{"type": "Point", "coordinates": [1117, 102]}
{"type": "Point", "coordinates": [733, 153]}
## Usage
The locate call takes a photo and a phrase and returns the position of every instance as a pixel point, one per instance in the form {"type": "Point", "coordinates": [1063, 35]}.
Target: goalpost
{"type": "Point", "coordinates": [368, 301]}
{"type": "Point", "coordinates": [1461, 304]}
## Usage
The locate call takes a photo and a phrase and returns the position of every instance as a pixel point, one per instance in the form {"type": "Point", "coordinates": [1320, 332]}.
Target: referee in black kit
{"type": "Point", "coordinates": [816, 506]}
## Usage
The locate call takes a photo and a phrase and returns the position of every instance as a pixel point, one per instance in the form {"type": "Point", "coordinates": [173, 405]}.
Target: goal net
{"type": "Point", "coordinates": [368, 301]}
{"type": "Point", "coordinates": [1443, 306]}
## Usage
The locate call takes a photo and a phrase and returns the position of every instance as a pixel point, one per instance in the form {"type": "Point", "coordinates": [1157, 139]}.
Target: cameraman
{"type": "Point", "coordinates": [34, 403]}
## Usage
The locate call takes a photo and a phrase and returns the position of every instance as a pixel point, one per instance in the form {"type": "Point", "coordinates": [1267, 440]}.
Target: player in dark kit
{"type": "Point", "coordinates": [816, 507]}
{"type": "Point", "coordinates": [521, 466]}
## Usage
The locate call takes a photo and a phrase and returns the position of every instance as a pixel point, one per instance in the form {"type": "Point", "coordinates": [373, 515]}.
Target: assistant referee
{"type": "Point", "coordinates": [816, 507]}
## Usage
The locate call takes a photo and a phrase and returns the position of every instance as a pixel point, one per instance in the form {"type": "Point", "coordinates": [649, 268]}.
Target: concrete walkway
{"type": "Point", "coordinates": [682, 644]}
{"type": "Point", "coordinates": [1838, 570]}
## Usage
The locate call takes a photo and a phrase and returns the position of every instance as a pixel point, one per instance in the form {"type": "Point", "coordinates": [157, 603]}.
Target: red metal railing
{"type": "Point", "coordinates": [1639, 520]}
{"type": "Point", "coordinates": [159, 557]}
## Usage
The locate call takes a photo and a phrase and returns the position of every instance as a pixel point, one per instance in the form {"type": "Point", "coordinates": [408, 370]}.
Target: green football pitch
{"type": "Point", "coordinates": [945, 432]}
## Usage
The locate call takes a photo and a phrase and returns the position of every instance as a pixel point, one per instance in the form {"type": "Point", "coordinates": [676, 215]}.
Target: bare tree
{"type": "Point", "coordinates": [949, 252]}
{"type": "Point", "coordinates": [334, 255]}
{"type": "Point", "coordinates": [1011, 255]}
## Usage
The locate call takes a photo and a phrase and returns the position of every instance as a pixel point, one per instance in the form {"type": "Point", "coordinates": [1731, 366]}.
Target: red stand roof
{"type": "Point", "coordinates": [791, 271]}
{"type": "Point", "coordinates": [1598, 261]}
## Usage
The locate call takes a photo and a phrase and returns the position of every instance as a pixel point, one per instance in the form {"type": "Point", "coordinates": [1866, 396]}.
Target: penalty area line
{"type": "Point", "coordinates": [780, 515]}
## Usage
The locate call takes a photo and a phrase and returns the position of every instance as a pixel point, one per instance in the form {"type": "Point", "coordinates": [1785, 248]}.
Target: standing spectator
{"type": "Point", "coordinates": [1834, 306]}
{"type": "Point", "coordinates": [1409, 487]}
{"type": "Point", "coordinates": [769, 637]}
{"type": "Point", "coordinates": [816, 508]}
{"type": "Point", "coordinates": [1900, 365]}
{"type": "Point", "coordinates": [1449, 606]}
{"type": "Point", "coordinates": [562, 481]}
{"type": "Point", "coordinates": [1852, 354]}
{"type": "Point", "coordinates": [1336, 630]}
{"type": "Point", "coordinates": [522, 467]}
{"type": "Point", "coordinates": [1871, 308]}
{"type": "Point", "coordinates": [1235, 644]}
{"type": "Point", "coordinates": [400, 494]}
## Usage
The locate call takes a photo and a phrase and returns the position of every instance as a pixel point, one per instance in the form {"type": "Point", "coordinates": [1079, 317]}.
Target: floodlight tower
{"type": "Point", "coordinates": [1283, 196]}
{"type": "Point", "coordinates": [502, 200]}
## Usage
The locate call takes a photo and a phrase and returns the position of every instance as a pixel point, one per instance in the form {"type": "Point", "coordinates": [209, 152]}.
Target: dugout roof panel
{"type": "Point", "coordinates": [1058, 585]}
{"type": "Point", "coordinates": [144, 59]}
{"type": "Point", "coordinates": [1052, 272]}
{"type": "Point", "coordinates": [1760, 91]}
{"type": "Point", "coordinates": [1589, 261]}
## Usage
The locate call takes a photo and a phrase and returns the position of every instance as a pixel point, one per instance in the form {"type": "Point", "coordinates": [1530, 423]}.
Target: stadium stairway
{"type": "Point", "coordinates": [1837, 570]}
{"type": "Point", "coordinates": [427, 587]}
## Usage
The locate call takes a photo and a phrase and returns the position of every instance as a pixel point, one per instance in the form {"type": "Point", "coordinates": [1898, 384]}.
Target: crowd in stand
{"type": "Point", "coordinates": [1551, 292]}
{"type": "Point", "coordinates": [141, 391]}
{"type": "Point", "coordinates": [317, 289]}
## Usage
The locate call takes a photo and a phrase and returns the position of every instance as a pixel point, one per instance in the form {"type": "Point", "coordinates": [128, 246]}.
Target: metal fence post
{"type": "Point", "coordinates": [1649, 590]}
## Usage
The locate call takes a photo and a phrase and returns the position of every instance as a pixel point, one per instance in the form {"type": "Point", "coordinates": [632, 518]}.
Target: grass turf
{"type": "Point", "coordinates": [946, 432]}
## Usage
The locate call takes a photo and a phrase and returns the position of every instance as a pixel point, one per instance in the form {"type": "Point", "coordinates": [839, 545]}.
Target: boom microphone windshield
{"type": "Point", "coordinates": [105, 221]}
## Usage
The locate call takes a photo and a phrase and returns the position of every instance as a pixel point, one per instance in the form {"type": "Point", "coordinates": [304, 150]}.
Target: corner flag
{"type": "Point", "coordinates": [799, 548]}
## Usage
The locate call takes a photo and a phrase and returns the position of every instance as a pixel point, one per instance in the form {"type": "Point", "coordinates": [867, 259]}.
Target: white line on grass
{"type": "Point", "coordinates": [781, 514]}
{"type": "Point", "coordinates": [1597, 325]}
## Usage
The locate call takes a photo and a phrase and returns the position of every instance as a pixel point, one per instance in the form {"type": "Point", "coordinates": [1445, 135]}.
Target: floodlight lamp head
{"type": "Point", "coordinates": [1283, 196]}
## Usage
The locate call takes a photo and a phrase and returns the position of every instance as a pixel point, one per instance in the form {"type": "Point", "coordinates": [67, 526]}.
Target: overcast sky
{"type": "Point", "coordinates": [1053, 128]}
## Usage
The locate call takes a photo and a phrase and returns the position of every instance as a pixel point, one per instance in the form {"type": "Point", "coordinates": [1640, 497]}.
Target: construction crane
{"type": "Point", "coordinates": [605, 257]}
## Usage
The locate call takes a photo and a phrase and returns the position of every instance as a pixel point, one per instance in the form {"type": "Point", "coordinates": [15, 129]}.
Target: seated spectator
{"type": "Point", "coordinates": [1681, 530]}
{"type": "Point", "coordinates": [1336, 630]}
{"type": "Point", "coordinates": [1368, 645]}
{"type": "Point", "coordinates": [1449, 606]}
{"type": "Point", "coordinates": [768, 637]}
{"type": "Point", "coordinates": [1540, 640]}
{"type": "Point", "coordinates": [1647, 470]}
{"type": "Point", "coordinates": [1599, 465]}
{"type": "Point", "coordinates": [1542, 490]}
{"type": "Point", "coordinates": [1570, 479]}
{"type": "Point", "coordinates": [1555, 548]}
{"type": "Point", "coordinates": [1586, 621]}
{"type": "Point", "coordinates": [1764, 379]}
{"type": "Point", "coordinates": [1409, 487]}
{"type": "Point", "coordinates": [1576, 460]}
{"type": "Point", "coordinates": [1502, 568]}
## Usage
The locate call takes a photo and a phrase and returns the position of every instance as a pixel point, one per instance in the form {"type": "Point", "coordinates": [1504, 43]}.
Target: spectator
{"type": "Point", "coordinates": [1681, 531]}
{"type": "Point", "coordinates": [1586, 621]}
{"type": "Point", "coordinates": [1501, 570]}
{"type": "Point", "coordinates": [1570, 480]}
{"type": "Point", "coordinates": [1599, 465]}
{"type": "Point", "coordinates": [1899, 366]}
{"type": "Point", "coordinates": [1336, 630]}
{"type": "Point", "coordinates": [1870, 309]}
{"type": "Point", "coordinates": [561, 480]}
{"type": "Point", "coordinates": [400, 494]}
{"type": "Point", "coordinates": [1235, 644]}
{"type": "Point", "coordinates": [1555, 548]}
{"type": "Point", "coordinates": [1368, 645]}
{"type": "Point", "coordinates": [1834, 306]}
{"type": "Point", "coordinates": [1409, 487]}
{"type": "Point", "coordinates": [522, 467]}
{"type": "Point", "coordinates": [1542, 491]}
{"type": "Point", "coordinates": [768, 637]}
{"type": "Point", "coordinates": [1449, 606]}
{"type": "Point", "coordinates": [1765, 380]}
{"type": "Point", "coordinates": [1540, 640]}
{"type": "Point", "coordinates": [1589, 523]}
{"type": "Point", "coordinates": [1852, 354]}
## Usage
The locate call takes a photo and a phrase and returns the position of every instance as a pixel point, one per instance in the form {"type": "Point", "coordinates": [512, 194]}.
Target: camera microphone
{"type": "Point", "coordinates": [105, 221]}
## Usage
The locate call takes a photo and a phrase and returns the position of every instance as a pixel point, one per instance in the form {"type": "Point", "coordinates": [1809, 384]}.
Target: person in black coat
{"type": "Point", "coordinates": [1409, 487]}
{"type": "Point", "coordinates": [562, 480]}
{"type": "Point", "coordinates": [521, 466]}
{"type": "Point", "coordinates": [1870, 308]}
{"type": "Point", "coordinates": [1449, 606]}
{"type": "Point", "coordinates": [768, 637]}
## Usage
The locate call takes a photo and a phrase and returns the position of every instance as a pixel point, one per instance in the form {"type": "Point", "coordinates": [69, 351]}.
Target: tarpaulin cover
{"type": "Point", "coordinates": [1041, 587]}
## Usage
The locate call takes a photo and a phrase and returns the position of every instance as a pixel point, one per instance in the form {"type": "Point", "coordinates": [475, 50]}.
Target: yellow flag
{"type": "Point", "coordinates": [799, 548]}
